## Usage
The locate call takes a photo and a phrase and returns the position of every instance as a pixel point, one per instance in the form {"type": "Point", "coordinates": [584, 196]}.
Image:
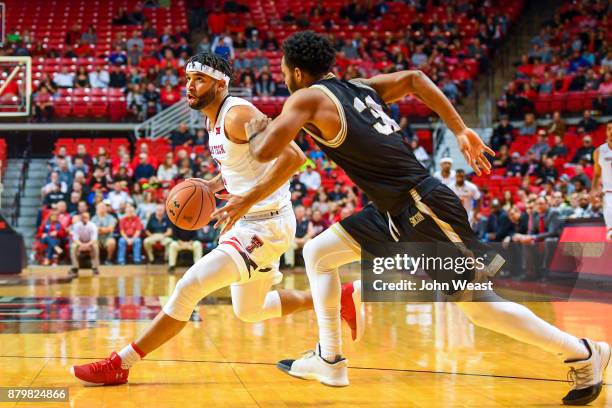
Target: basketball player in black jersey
{"type": "Point", "coordinates": [347, 120]}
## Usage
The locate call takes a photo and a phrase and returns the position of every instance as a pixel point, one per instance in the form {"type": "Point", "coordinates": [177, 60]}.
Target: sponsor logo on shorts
{"type": "Point", "coordinates": [415, 219]}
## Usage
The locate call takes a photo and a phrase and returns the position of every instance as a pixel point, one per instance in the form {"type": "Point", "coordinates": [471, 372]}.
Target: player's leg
{"type": "Point", "coordinates": [607, 201]}
{"type": "Point", "coordinates": [214, 271]}
{"type": "Point", "coordinates": [322, 256]}
{"type": "Point", "coordinates": [495, 313]}
{"type": "Point", "coordinates": [253, 301]}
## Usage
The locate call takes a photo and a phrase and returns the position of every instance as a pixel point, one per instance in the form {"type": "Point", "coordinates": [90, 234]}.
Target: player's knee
{"type": "Point", "coordinates": [248, 315]}
{"type": "Point", "coordinates": [311, 251]}
{"type": "Point", "coordinates": [184, 299]}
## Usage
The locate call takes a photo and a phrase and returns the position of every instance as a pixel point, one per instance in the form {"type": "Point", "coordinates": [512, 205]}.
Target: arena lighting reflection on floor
{"type": "Point", "coordinates": [73, 313]}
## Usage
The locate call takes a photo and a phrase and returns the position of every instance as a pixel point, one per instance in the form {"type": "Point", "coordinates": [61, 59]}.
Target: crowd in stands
{"type": "Point", "coordinates": [134, 62]}
{"type": "Point", "coordinates": [541, 176]}
{"type": "Point", "coordinates": [568, 67]}
{"type": "Point", "coordinates": [450, 42]}
{"type": "Point", "coordinates": [143, 66]}
{"type": "Point", "coordinates": [109, 203]}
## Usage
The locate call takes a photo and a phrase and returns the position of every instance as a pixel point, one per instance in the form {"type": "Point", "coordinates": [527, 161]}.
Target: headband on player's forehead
{"type": "Point", "coordinates": [195, 66]}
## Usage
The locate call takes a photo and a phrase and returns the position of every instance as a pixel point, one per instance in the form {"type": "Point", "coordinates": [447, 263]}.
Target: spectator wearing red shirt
{"type": "Point", "coordinates": [130, 229]}
{"type": "Point", "coordinates": [51, 234]}
{"type": "Point", "coordinates": [63, 216]}
{"type": "Point", "coordinates": [169, 96]}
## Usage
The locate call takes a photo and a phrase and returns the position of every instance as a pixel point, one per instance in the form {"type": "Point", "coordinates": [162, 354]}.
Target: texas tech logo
{"type": "Point", "coordinates": [256, 242]}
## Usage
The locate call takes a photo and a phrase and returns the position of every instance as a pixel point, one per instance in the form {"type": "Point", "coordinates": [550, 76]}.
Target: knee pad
{"type": "Point", "coordinates": [184, 298]}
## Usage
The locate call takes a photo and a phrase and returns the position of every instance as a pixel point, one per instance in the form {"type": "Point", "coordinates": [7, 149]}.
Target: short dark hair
{"type": "Point", "coordinates": [460, 171]}
{"type": "Point", "coordinates": [310, 52]}
{"type": "Point", "coordinates": [213, 61]}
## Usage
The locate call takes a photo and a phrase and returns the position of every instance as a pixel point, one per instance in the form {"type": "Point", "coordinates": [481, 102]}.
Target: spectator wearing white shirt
{"type": "Point", "coordinates": [100, 78]}
{"type": "Point", "coordinates": [64, 79]}
{"type": "Point", "coordinates": [311, 179]}
{"type": "Point", "coordinates": [467, 192]}
{"type": "Point", "coordinates": [446, 174]}
{"type": "Point", "coordinates": [118, 197]}
{"type": "Point", "coordinates": [167, 171]}
{"type": "Point", "coordinates": [49, 187]}
{"type": "Point", "coordinates": [84, 239]}
{"type": "Point", "coordinates": [420, 153]}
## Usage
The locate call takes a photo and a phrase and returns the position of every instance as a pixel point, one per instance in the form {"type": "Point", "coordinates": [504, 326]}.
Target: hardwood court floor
{"type": "Point", "coordinates": [413, 355]}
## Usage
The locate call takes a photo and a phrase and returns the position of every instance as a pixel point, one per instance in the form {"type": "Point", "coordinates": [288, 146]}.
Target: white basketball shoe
{"type": "Point", "coordinates": [586, 376]}
{"type": "Point", "coordinates": [311, 366]}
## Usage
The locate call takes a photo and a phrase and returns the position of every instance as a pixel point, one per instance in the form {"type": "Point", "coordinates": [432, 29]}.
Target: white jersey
{"type": "Point", "coordinates": [239, 169]}
{"type": "Point", "coordinates": [605, 162]}
{"type": "Point", "coordinates": [450, 180]}
{"type": "Point", "coordinates": [467, 193]}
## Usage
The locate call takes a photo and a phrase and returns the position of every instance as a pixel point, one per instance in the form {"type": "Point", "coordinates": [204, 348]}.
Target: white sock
{"type": "Point", "coordinates": [322, 256]}
{"type": "Point", "coordinates": [520, 323]}
{"type": "Point", "coordinates": [129, 357]}
{"type": "Point", "coordinates": [326, 294]}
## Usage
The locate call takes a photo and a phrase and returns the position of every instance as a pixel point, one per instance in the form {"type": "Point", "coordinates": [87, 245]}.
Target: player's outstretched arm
{"type": "Point", "coordinates": [395, 86]}
{"type": "Point", "coordinates": [267, 139]}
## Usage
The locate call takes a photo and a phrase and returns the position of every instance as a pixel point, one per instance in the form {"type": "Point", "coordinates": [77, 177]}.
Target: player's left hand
{"type": "Point", "coordinates": [256, 125]}
{"type": "Point", "coordinates": [236, 207]}
{"type": "Point", "coordinates": [474, 149]}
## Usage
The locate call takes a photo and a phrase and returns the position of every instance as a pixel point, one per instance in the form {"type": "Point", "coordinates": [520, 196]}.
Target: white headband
{"type": "Point", "coordinates": [195, 66]}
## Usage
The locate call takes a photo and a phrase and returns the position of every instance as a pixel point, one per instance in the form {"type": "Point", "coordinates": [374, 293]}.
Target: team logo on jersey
{"type": "Point", "coordinates": [218, 130]}
{"type": "Point", "coordinates": [415, 219]}
{"type": "Point", "coordinates": [256, 242]}
{"type": "Point", "coordinates": [217, 149]}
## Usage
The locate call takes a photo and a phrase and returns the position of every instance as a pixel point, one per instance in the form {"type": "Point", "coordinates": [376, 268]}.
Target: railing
{"type": "Point", "coordinates": [20, 188]}
{"type": "Point", "coordinates": [166, 121]}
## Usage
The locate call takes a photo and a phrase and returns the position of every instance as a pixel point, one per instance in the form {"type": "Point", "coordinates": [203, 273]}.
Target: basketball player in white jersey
{"type": "Point", "coordinates": [255, 234]}
{"type": "Point", "coordinates": [602, 177]}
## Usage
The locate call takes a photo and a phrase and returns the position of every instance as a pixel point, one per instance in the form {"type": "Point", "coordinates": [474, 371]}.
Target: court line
{"type": "Point", "coordinates": [399, 370]}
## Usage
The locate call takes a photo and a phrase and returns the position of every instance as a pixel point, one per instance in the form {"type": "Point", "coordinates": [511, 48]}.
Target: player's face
{"type": "Point", "coordinates": [201, 90]}
{"type": "Point", "coordinates": [289, 76]}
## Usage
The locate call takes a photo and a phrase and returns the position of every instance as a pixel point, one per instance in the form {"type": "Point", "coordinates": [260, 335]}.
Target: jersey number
{"type": "Point", "coordinates": [387, 126]}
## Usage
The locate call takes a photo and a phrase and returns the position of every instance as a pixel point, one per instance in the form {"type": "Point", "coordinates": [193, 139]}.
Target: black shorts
{"type": "Point", "coordinates": [437, 217]}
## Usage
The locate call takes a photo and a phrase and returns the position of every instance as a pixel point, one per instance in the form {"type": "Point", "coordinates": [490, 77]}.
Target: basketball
{"type": "Point", "coordinates": [190, 205]}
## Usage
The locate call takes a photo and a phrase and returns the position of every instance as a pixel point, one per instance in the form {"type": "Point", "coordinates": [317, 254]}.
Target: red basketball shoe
{"type": "Point", "coordinates": [352, 310]}
{"type": "Point", "coordinates": [104, 372]}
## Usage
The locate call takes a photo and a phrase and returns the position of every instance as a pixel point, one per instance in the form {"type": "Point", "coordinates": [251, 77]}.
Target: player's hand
{"type": "Point", "coordinates": [236, 207]}
{"type": "Point", "coordinates": [212, 185]}
{"type": "Point", "coordinates": [474, 149]}
{"type": "Point", "coordinates": [256, 125]}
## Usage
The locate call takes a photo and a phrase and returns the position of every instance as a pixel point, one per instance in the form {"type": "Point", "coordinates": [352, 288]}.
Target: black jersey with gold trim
{"type": "Point", "coordinates": [369, 146]}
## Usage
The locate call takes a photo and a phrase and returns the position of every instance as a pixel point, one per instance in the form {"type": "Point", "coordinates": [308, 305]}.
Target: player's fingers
{"type": "Point", "coordinates": [228, 226]}
{"type": "Point", "coordinates": [489, 150]}
{"type": "Point", "coordinates": [484, 162]}
{"type": "Point", "coordinates": [474, 166]}
{"type": "Point", "coordinates": [222, 196]}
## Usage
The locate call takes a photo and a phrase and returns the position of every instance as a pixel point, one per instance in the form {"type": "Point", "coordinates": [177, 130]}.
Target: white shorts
{"type": "Point", "coordinates": [257, 241]}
